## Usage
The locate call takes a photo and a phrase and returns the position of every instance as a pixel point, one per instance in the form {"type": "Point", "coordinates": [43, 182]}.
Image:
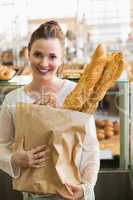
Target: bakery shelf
{"type": "Point", "coordinates": [117, 145]}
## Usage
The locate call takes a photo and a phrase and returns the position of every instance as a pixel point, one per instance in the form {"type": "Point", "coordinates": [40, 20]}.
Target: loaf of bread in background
{"type": "Point", "coordinates": [92, 73]}
{"type": "Point", "coordinates": [6, 73]}
{"type": "Point", "coordinates": [106, 128]}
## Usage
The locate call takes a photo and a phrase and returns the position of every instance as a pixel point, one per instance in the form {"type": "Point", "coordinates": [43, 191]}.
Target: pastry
{"type": "Point", "coordinates": [6, 73]}
{"type": "Point", "coordinates": [116, 127]}
{"type": "Point", "coordinates": [100, 134]}
{"type": "Point", "coordinates": [106, 129]}
{"type": "Point", "coordinates": [109, 134]}
{"type": "Point", "coordinates": [108, 123]}
{"type": "Point", "coordinates": [100, 123]}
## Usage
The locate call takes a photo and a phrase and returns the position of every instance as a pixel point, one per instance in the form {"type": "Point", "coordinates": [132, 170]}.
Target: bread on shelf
{"type": "Point", "coordinates": [106, 129]}
{"type": "Point", "coordinates": [6, 73]}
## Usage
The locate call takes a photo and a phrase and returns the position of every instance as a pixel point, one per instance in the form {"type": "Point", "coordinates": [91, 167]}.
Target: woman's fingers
{"type": "Point", "coordinates": [77, 190]}
{"type": "Point", "coordinates": [38, 149]}
{"type": "Point", "coordinates": [35, 157]}
{"type": "Point", "coordinates": [40, 160]}
{"type": "Point", "coordinates": [69, 189]}
{"type": "Point", "coordinates": [40, 154]}
{"type": "Point", "coordinates": [69, 197]}
{"type": "Point", "coordinates": [41, 163]}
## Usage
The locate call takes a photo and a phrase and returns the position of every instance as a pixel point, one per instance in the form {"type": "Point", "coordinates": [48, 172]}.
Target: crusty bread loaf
{"type": "Point", "coordinates": [6, 73]}
{"type": "Point", "coordinates": [99, 123]}
{"type": "Point", "coordinates": [112, 72]}
{"type": "Point", "coordinates": [92, 73]}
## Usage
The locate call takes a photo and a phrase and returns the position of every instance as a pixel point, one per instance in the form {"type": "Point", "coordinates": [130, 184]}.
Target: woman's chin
{"type": "Point", "coordinates": [46, 76]}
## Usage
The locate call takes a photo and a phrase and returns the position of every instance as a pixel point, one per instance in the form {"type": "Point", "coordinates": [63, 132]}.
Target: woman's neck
{"type": "Point", "coordinates": [39, 85]}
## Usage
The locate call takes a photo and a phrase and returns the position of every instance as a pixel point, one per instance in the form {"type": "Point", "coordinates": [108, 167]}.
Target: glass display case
{"type": "Point", "coordinates": [115, 177]}
{"type": "Point", "coordinates": [16, 82]}
{"type": "Point", "coordinates": [131, 127]}
{"type": "Point", "coordinates": [112, 123]}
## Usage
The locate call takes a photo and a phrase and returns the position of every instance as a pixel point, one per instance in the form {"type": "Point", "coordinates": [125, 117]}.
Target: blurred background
{"type": "Point", "coordinates": [85, 24]}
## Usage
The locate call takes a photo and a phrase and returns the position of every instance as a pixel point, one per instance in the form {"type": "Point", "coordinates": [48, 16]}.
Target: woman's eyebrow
{"type": "Point", "coordinates": [53, 54]}
{"type": "Point", "coordinates": [38, 51]}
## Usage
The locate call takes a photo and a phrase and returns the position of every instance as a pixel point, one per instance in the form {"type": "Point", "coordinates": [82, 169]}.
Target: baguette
{"type": "Point", "coordinates": [92, 73]}
{"type": "Point", "coordinates": [112, 72]}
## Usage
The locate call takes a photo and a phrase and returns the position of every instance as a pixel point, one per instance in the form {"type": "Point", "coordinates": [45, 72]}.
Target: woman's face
{"type": "Point", "coordinates": [45, 57]}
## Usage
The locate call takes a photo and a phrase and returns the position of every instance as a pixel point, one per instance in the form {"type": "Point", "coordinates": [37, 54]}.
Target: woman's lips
{"type": "Point", "coordinates": [44, 70]}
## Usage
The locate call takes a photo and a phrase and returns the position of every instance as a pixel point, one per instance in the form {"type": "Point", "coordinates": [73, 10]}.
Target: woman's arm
{"type": "Point", "coordinates": [12, 162]}
{"type": "Point", "coordinates": [90, 160]}
{"type": "Point", "coordinates": [6, 139]}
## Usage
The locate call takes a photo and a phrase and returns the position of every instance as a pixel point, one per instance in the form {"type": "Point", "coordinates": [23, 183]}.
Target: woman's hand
{"type": "Point", "coordinates": [75, 190]}
{"type": "Point", "coordinates": [36, 157]}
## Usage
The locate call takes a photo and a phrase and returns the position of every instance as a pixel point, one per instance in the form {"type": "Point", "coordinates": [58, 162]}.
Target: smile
{"type": "Point", "coordinates": [44, 70]}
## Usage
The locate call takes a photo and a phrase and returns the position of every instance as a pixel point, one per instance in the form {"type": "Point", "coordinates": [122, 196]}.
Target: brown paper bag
{"type": "Point", "coordinates": [64, 132]}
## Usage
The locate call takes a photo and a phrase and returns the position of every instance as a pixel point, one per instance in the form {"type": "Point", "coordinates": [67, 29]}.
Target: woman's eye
{"type": "Point", "coordinates": [37, 54]}
{"type": "Point", "coordinates": [53, 56]}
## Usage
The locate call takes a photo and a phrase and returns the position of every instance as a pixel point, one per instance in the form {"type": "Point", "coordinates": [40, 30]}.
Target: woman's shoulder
{"type": "Point", "coordinates": [15, 92]}
{"type": "Point", "coordinates": [14, 95]}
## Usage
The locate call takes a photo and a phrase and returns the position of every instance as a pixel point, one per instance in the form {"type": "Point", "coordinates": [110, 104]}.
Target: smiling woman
{"type": "Point", "coordinates": [46, 55]}
{"type": "Point", "coordinates": [45, 49]}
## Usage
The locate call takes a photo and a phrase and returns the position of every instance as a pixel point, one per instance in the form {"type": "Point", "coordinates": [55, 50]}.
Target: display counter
{"type": "Point", "coordinates": [114, 185]}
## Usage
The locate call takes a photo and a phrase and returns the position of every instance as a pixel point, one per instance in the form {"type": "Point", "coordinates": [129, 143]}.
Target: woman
{"type": "Point", "coordinates": [46, 55]}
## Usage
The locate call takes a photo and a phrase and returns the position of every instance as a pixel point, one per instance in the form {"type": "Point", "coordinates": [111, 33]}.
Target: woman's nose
{"type": "Point", "coordinates": [44, 61]}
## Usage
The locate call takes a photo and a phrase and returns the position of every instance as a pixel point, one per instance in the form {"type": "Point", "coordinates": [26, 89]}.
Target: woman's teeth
{"type": "Point", "coordinates": [43, 71]}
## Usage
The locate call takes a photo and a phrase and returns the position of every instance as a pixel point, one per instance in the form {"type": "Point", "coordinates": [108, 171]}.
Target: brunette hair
{"type": "Point", "coordinates": [47, 30]}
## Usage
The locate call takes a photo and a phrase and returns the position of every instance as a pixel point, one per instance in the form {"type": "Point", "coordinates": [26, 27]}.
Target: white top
{"type": "Point", "coordinates": [89, 160]}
